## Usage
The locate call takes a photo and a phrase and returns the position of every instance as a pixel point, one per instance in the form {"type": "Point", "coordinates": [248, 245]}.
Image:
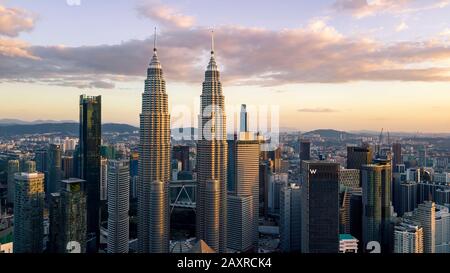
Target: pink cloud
{"type": "Point", "coordinates": [365, 8]}
{"type": "Point", "coordinates": [13, 21]}
{"type": "Point", "coordinates": [317, 53]}
{"type": "Point", "coordinates": [165, 15]}
{"type": "Point", "coordinates": [15, 48]}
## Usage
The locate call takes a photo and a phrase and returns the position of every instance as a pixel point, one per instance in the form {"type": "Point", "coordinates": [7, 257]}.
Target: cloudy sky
{"type": "Point", "coordinates": [343, 64]}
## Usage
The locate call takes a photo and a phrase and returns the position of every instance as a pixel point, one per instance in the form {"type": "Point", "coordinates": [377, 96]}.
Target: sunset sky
{"type": "Point", "coordinates": [341, 64]}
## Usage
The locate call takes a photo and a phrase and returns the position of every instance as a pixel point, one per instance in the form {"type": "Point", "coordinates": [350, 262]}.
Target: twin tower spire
{"type": "Point", "coordinates": [212, 66]}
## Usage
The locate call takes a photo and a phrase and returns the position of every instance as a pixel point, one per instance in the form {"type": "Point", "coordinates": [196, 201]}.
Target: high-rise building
{"type": "Point", "coordinates": [181, 153]}
{"type": "Point", "coordinates": [29, 213]}
{"type": "Point", "coordinates": [243, 181]}
{"type": "Point", "coordinates": [276, 182]}
{"type": "Point", "coordinates": [320, 207]}
{"type": "Point", "coordinates": [13, 168]}
{"type": "Point", "coordinates": [55, 224]}
{"type": "Point", "coordinates": [358, 156]}
{"type": "Point", "coordinates": [305, 150]}
{"type": "Point", "coordinates": [30, 166]}
{"type": "Point", "coordinates": [264, 172]}
{"type": "Point", "coordinates": [290, 218]}
{"type": "Point", "coordinates": [376, 185]}
{"type": "Point", "coordinates": [442, 229]}
{"type": "Point", "coordinates": [442, 196]}
{"type": "Point", "coordinates": [397, 159]}
{"type": "Point", "coordinates": [40, 156]}
{"type": "Point", "coordinates": [154, 163]}
{"type": "Point", "coordinates": [356, 215]}
{"type": "Point", "coordinates": [118, 206]}
{"type": "Point", "coordinates": [212, 162]}
{"type": "Point", "coordinates": [103, 179]}
{"type": "Point", "coordinates": [345, 195]}
{"type": "Point", "coordinates": [67, 167]}
{"type": "Point", "coordinates": [68, 217]}
{"type": "Point", "coordinates": [408, 237]}
{"type": "Point", "coordinates": [54, 169]}
{"type": "Point", "coordinates": [425, 214]}
{"type": "Point", "coordinates": [244, 121]}
{"type": "Point", "coordinates": [275, 158]}
{"type": "Point", "coordinates": [89, 163]}
{"type": "Point", "coordinates": [407, 197]}
{"type": "Point", "coordinates": [241, 228]}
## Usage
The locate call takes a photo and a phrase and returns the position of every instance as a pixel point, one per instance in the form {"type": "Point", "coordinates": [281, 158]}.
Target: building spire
{"type": "Point", "coordinates": [154, 41]}
{"type": "Point", "coordinates": [212, 66]}
{"type": "Point", "coordinates": [212, 41]}
{"type": "Point", "coordinates": [154, 63]}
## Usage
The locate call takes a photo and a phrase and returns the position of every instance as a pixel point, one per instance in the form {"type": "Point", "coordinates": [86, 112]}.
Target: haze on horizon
{"type": "Point", "coordinates": [340, 64]}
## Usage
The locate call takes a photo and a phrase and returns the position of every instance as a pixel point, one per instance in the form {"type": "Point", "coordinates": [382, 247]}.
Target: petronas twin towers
{"type": "Point", "coordinates": [154, 162]}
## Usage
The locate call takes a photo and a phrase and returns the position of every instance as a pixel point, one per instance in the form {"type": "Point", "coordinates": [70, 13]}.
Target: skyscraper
{"type": "Point", "coordinates": [356, 215]}
{"type": "Point", "coordinates": [54, 169]}
{"type": "Point", "coordinates": [89, 163]}
{"type": "Point", "coordinates": [442, 229]}
{"type": "Point", "coordinates": [181, 153]}
{"type": "Point", "coordinates": [264, 172]}
{"type": "Point", "coordinates": [68, 217]}
{"type": "Point", "coordinates": [241, 228]}
{"type": "Point", "coordinates": [67, 167]}
{"type": "Point", "coordinates": [425, 214]}
{"type": "Point", "coordinates": [212, 162]}
{"type": "Point", "coordinates": [40, 156]}
{"type": "Point", "coordinates": [290, 218]}
{"type": "Point", "coordinates": [408, 237]}
{"type": "Point", "coordinates": [244, 122]}
{"type": "Point", "coordinates": [358, 156]}
{"type": "Point", "coordinates": [30, 166]}
{"type": "Point", "coordinates": [243, 182]}
{"type": "Point", "coordinates": [118, 206]}
{"type": "Point", "coordinates": [13, 168]}
{"type": "Point", "coordinates": [407, 197]}
{"type": "Point", "coordinates": [55, 224]}
{"type": "Point", "coordinates": [29, 212]}
{"type": "Point", "coordinates": [305, 150]}
{"type": "Point", "coordinates": [103, 179]}
{"type": "Point", "coordinates": [320, 207]}
{"type": "Point", "coordinates": [376, 184]}
{"type": "Point", "coordinates": [397, 159]}
{"type": "Point", "coordinates": [154, 163]}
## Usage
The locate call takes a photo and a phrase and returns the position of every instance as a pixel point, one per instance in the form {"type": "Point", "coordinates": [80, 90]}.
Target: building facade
{"type": "Point", "coordinates": [290, 218]}
{"type": "Point", "coordinates": [29, 212]}
{"type": "Point", "coordinates": [89, 163]}
{"type": "Point", "coordinates": [118, 206]}
{"type": "Point", "coordinates": [320, 207]}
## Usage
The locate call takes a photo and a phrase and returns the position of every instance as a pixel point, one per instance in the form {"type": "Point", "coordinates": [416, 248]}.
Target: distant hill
{"type": "Point", "coordinates": [329, 133]}
{"type": "Point", "coordinates": [63, 128]}
{"type": "Point", "coordinates": [22, 122]}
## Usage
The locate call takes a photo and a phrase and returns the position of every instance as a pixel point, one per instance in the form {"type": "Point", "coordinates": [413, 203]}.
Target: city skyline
{"type": "Point", "coordinates": [347, 70]}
